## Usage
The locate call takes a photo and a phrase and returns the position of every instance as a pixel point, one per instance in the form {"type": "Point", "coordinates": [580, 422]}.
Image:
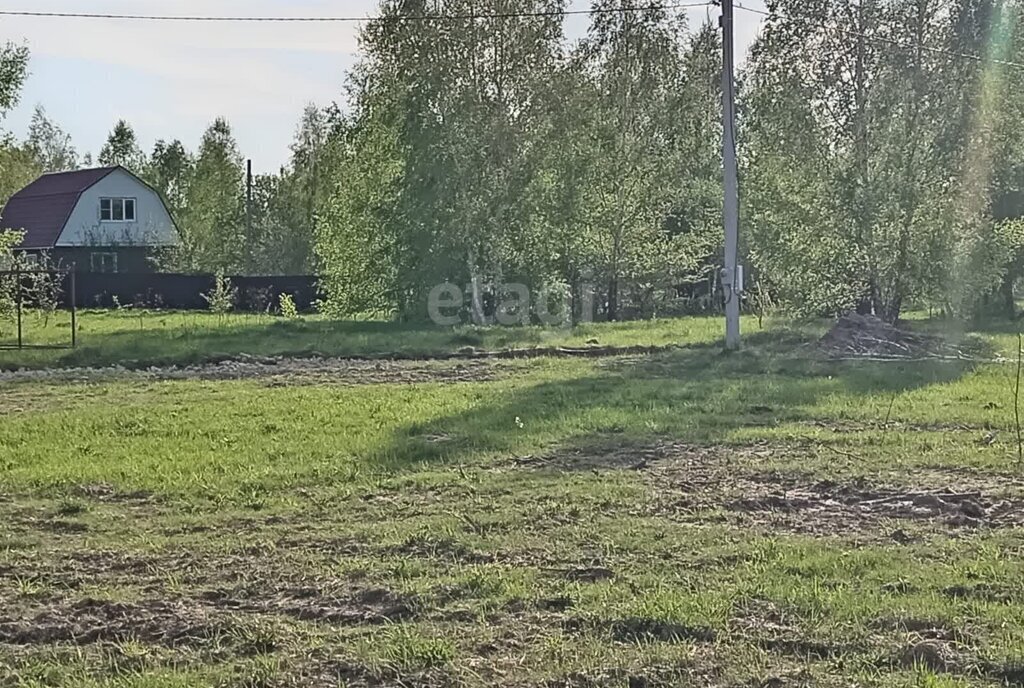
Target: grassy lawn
{"type": "Point", "coordinates": [147, 338]}
{"type": "Point", "coordinates": [683, 518]}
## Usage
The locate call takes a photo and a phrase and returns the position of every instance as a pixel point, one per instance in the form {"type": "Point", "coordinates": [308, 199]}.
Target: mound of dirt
{"type": "Point", "coordinates": [866, 335]}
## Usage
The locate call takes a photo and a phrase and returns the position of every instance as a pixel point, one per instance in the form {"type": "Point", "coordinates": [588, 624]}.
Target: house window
{"type": "Point", "coordinates": [117, 210]}
{"type": "Point", "coordinates": [103, 262]}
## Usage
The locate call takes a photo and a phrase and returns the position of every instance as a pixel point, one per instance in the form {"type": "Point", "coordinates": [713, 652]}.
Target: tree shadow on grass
{"type": "Point", "coordinates": [155, 344]}
{"type": "Point", "coordinates": [170, 338]}
{"type": "Point", "coordinates": [695, 394]}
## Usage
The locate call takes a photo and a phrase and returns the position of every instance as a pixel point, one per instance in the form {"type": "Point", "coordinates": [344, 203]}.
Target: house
{"type": "Point", "coordinates": [99, 220]}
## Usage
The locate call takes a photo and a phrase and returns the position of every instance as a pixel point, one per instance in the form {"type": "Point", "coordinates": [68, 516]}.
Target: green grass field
{"type": "Point", "coordinates": [146, 338]}
{"type": "Point", "coordinates": [683, 518]}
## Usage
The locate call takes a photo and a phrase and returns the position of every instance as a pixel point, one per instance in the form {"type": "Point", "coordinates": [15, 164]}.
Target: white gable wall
{"type": "Point", "coordinates": [152, 227]}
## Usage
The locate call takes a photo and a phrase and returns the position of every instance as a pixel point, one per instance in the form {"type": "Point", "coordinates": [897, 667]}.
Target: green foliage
{"type": "Point", "coordinates": [206, 194]}
{"type": "Point", "coordinates": [44, 288]}
{"type": "Point", "coordinates": [169, 171]}
{"type": "Point", "coordinates": [548, 167]}
{"type": "Point", "coordinates": [8, 240]}
{"type": "Point", "coordinates": [17, 166]}
{"type": "Point", "coordinates": [223, 296]}
{"type": "Point", "coordinates": [877, 158]}
{"type": "Point", "coordinates": [881, 168]}
{"type": "Point", "coordinates": [50, 145]}
{"type": "Point", "coordinates": [286, 302]}
{"type": "Point", "coordinates": [122, 148]}
{"type": "Point", "coordinates": [214, 217]}
{"type": "Point", "coordinates": [13, 70]}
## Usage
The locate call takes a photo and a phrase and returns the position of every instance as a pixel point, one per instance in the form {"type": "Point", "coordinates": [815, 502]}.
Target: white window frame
{"type": "Point", "coordinates": [101, 255]}
{"type": "Point", "coordinates": [122, 200]}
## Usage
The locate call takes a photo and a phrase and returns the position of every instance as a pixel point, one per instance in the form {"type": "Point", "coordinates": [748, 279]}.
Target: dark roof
{"type": "Point", "coordinates": [43, 207]}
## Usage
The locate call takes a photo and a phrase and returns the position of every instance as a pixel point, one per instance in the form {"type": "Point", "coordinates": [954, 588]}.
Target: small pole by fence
{"type": "Point", "coordinates": [17, 301]}
{"type": "Point", "coordinates": [74, 306]}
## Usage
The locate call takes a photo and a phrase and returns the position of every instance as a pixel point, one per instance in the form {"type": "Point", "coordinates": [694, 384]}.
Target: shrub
{"type": "Point", "coordinates": [287, 305]}
{"type": "Point", "coordinates": [221, 298]}
{"type": "Point", "coordinates": [44, 288]}
{"type": "Point", "coordinates": [8, 286]}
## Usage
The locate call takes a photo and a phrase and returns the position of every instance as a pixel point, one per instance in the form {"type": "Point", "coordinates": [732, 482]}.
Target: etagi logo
{"type": "Point", "coordinates": [510, 304]}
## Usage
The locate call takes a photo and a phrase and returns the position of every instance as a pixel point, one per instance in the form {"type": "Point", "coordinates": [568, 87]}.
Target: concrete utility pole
{"type": "Point", "coordinates": [732, 274]}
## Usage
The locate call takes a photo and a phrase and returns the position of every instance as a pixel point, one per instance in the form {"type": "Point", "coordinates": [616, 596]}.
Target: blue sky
{"type": "Point", "coordinates": [171, 79]}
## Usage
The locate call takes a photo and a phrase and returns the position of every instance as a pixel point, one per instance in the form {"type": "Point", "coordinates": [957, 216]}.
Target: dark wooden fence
{"type": "Point", "coordinates": [185, 292]}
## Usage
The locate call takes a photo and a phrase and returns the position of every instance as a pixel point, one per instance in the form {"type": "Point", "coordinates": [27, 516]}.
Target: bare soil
{"type": "Point", "coordinates": [695, 480]}
{"type": "Point", "coordinates": [694, 483]}
{"type": "Point", "coordinates": [276, 372]}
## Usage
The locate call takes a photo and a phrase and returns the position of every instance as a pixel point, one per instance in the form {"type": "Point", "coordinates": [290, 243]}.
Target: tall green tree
{"type": "Point", "coordinates": [995, 30]}
{"type": "Point", "coordinates": [170, 170]}
{"type": "Point", "coordinates": [287, 204]}
{"type": "Point", "coordinates": [122, 148]}
{"type": "Point", "coordinates": [483, 151]}
{"type": "Point", "coordinates": [13, 71]}
{"type": "Point", "coordinates": [645, 238]}
{"type": "Point", "coordinates": [51, 146]}
{"type": "Point", "coordinates": [213, 219]}
{"type": "Point", "coordinates": [857, 151]}
{"type": "Point", "coordinates": [17, 167]}
{"type": "Point", "coordinates": [456, 106]}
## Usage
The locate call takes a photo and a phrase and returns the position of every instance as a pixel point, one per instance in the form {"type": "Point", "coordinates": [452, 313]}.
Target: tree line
{"type": "Point", "coordinates": [881, 146]}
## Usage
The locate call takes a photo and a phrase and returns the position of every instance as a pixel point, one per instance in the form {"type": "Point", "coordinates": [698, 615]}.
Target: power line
{"type": "Point", "coordinates": [349, 19]}
{"type": "Point", "coordinates": [898, 44]}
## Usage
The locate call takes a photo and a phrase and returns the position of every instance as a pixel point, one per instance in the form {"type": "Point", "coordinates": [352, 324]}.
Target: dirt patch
{"type": "Point", "coordinates": [771, 628]}
{"type": "Point", "coordinates": [441, 548]}
{"type": "Point", "coordinates": [846, 506]}
{"type": "Point", "coordinates": [198, 620]}
{"type": "Point", "coordinates": [330, 672]}
{"type": "Point", "coordinates": [641, 630]}
{"type": "Point", "coordinates": [278, 372]}
{"type": "Point", "coordinates": [650, 677]}
{"type": "Point", "coordinates": [700, 483]}
{"type": "Point", "coordinates": [933, 655]}
{"type": "Point", "coordinates": [104, 492]}
{"type": "Point", "coordinates": [851, 427]}
{"type": "Point", "coordinates": [89, 621]}
{"type": "Point", "coordinates": [245, 366]}
{"type": "Point", "coordinates": [865, 336]}
{"type": "Point", "coordinates": [1011, 674]}
{"type": "Point", "coordinates": [925, 629]}
{"type": "Point", "coordinates": [593, 574]}
{"type": "Point", "coordinates": [644, 457]}
{"type": "Point", "coordinates": [706, 484]}
{"type": "Point", "coordinates": [804, 649]}
{"type": "Point", "coordinates": [310, 603]}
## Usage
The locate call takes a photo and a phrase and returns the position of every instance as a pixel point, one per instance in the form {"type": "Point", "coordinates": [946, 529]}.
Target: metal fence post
{"type": "Point", "coordinates": [74, 307]}
{"type": "Point", "coordinates": [17, 300]}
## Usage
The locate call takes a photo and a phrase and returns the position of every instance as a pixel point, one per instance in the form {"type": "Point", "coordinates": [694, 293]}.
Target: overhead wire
{"type": "Point", "coordinates": [473, 16]}
{"type": "Point", "coordinates": [351, 19]}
